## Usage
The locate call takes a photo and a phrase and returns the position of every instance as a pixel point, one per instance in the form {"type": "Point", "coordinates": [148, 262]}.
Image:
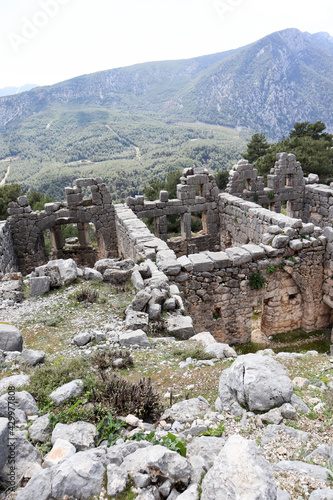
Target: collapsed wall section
{"type": "Point", "coordinates": [197, 194]}
{"type": "Point", "coordinates": [7, 253]}
{"type": "Point", "coordinates": [27, 226]}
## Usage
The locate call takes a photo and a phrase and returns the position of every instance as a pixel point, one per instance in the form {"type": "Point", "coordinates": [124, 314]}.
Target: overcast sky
{"type": "Point", "coordinates": [47, 41]}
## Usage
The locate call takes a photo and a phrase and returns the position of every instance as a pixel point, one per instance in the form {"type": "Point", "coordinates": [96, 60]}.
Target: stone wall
{"type": "Point", "coordinates": [7, 253]}
{"type": "Point", "coordinates": [285, 184]}
{"type": "Point", "coordinates": [318, 204]}
{"type": "Point", "coordinates": [220, 297]}
{"type": "Point", "coordinates": [197, 192]}
{"type": "Point", "coordinates": [246, 257]}
{"type": "Point", "coordinates": [27, 226]}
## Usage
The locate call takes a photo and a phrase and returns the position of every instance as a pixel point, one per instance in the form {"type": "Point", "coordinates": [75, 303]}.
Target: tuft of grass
{"type": "Point", "coordinates": [194, 352]}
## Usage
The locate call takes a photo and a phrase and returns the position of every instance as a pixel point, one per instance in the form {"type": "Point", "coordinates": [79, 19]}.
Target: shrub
{"type": "Point", "coordinates": [105, 359]}
{"type": "Point", "coordinates": [86, 294]}
{"type": "Point", "coordinates": [257, 280]}
{"type": "Point", "coordinates": [123, 397]}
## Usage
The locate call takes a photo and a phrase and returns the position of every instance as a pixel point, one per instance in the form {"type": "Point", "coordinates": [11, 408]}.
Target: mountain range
{"type": "Point", "coordinates": [267, 86]}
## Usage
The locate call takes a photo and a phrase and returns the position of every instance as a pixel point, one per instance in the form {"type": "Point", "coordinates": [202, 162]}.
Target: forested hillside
{"type": "Point", "coordinates": [51, 149]}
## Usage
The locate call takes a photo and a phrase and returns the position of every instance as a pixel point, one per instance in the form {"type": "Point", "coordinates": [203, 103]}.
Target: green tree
{"type": "Point", "coordinates": [312, 146]}
{"type": "Point", "coordinates": [37, 200]}
{"type": "Point", "coordinates": [222, 178]}
{"type": "Point", "coordinates": [8, 193]}
{"type": "Point", "coordinates": [256, 148]}
{"type": "Point", "coordinates": [154, 187]}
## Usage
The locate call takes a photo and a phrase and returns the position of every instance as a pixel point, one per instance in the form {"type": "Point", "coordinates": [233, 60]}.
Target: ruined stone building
{"type": "Point", "coordinates": [247, 254]}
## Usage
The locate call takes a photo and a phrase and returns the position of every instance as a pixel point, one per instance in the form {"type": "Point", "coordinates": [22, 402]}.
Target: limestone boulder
{"type": "Point", "coordinates": [256, 383]}
{"type": "Point", "coordinates": [4, 435]}
{"type": "Point", "coordinates": [136, 337]}
{"type": "Point", "coordinates": [24, 401]}
{"type": "Point", "coordinates": [187, 410]}
{"type": "Point", "coordinates": [180, 327]}
{"type": "Point", "coordinates": [221, 351]}
{"type": "Point", "coordinates": [41, 429]}
{"type": "Point", "coordinates": [136, 320]}
{"type": "Point", "coordinates": [206, 447]}
{"type": "Point", "coordinates": [17, 381]}
{"type": "Point", "coordinates": [239, 471]}
{"type": "Point", "coordinates": [61, 451]}
{"type": "Point", "coordinates": [158, 460]}
{"type": "Point", "coordinates": [90, 274]}
{"type": "Point", "coordinates": [117, 479]}
{"type": "Point", "coordinates": [32, 358]}
{"type": "Point", "coordinates": [27, 461]}
{"type": "Point", "coordinates": [10, 338]}
{"type": "Point", "coordinates": [82, 339]}
{"type": "Point", "coordinates": [80, 476]}
{"type": "Point", "coordinates": [324, 494]}
{"type": "Point", "coordinates": [39, 285]}
{"type": "Point", "coordinates": [67, 391]}
{"type": "Point", "coordinates": [117, 276]}
{"type": "Point", "coordinates": [61, 272]}
{"type": "Point", "coordinates": [205, 338]}
{"type": "Point", "coordinates": [82, 435]}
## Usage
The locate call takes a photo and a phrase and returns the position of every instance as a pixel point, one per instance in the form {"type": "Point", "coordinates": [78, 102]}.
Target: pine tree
{"type": "Point", "coordinates": [256, 148]}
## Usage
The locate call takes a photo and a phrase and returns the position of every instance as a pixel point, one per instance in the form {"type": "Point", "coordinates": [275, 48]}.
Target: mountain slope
{"type": "Point", "coordinates": [269, 85]}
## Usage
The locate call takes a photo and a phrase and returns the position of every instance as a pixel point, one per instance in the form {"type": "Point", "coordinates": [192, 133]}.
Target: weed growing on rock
{"type": "Point", "coordinates": [109, 428]}
{"type": "Point", "coordinates": [257, 280]}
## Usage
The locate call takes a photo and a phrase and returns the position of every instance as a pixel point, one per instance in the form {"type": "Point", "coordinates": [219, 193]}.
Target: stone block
{"type": "Point", "coordinates": [296, 244]}
{"type": "Point", "coordinates": [280, 241]}
{"type": "Point", "coordinates": [164, 196]}
{"type": "Point", "coordinates": [201, 262]}
{"type": "Point", "coordinates": [221, 260]}
{"type": "Point", "coordinates": [256, 251]}
{"type": "Point", "coordinates": [239, 256]}
{"type": "Point", "coordinates": [136, 337]}
{"type": "Point", "coordinates": [180, 327]}
{"type": "Point", "coordinates": [185, 263]}
{"type": "Point", "coordinates": [10, 338]}
{"type": "Point", "coordinates": [40, 285]}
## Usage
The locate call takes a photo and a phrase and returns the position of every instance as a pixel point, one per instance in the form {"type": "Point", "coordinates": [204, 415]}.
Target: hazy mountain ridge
{"type": "Point", "coordinates": [268, 85]}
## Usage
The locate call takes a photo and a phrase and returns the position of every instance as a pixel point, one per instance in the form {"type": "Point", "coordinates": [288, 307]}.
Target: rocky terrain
{"type": "Point", "coordinates": [207, 423]}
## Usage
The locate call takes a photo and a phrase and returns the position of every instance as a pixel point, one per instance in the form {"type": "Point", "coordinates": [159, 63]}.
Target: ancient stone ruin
{"type": "Point", "coordinates": [247, 256]}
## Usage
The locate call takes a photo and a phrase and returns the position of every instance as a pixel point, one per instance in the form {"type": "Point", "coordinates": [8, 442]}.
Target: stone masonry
{"type": "Point", "coordinates": [27, 226]}
{"type": "Point", "coordinates": [246, 257]}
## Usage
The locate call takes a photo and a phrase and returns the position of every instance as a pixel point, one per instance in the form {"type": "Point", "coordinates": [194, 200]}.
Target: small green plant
{"type": "Point", "coordinates": [86, 294]}
{"type": "Point", "coordinates": [292, 259]}
{"type": "Point", "coordinates": [109, 429]}
{"type": "Point", "coordinates": [190, 352]}
{"type": "Point", "coordinates": [170, 441]}
{"type": "Point", "coordinates": [282, 265]}
{"type": "Point", "coordinates": [255, 197]}
{"type": "Point", "coordinates": [271, 269]}
{"type": "Point", "coordinates": [257, 281]}
{"type": "Point", "coordinates": [200, 484]}
{"type": "Point", "coordinates": [235, 220]}
{"type": "Point", "coordinates": [312, 415]}
{"type": "Point", "coordinates": [271, 195]}
{"type": "Point", "coordinates": [216, 432]}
